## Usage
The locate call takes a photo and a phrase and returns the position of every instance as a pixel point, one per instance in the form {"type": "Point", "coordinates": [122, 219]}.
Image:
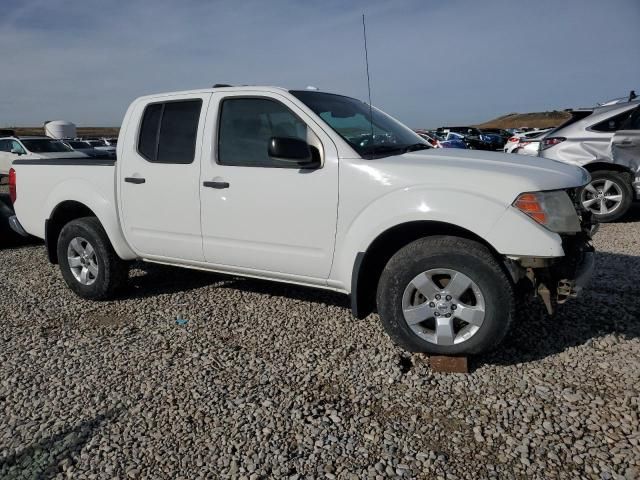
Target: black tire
{"type": "Point", "coordinates": [462, 255]}
{"type": "Point", "coordinates": [623, 183]}
{"type": "Point", "coordinates": [112, 271]}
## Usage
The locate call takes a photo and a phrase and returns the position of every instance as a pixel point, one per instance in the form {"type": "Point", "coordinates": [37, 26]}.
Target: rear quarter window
{"type": "Point", "coordinates": [612, 124]}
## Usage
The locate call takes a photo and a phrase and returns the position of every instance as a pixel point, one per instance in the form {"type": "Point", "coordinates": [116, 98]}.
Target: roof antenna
{"type": "Point", "coordinates": [366, 59]}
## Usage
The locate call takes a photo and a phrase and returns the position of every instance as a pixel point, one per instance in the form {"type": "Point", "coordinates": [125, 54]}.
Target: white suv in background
{"type": "Point", "coordinates": [32, 148]}
{"type": "Point", "coordinates": [606, 141]}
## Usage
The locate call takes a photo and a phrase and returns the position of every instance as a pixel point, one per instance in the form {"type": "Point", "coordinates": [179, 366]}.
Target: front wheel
{"type": "Point", "coordinates": [89, 265]}
{"type": "Point", "coordinates": [608, 196]}
{"type": "Point", "coordinates": [445, 296]}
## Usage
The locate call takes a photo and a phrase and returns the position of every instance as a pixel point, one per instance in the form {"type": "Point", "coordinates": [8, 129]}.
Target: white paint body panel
{"type": "Point", "coordinates": [280, 220]}
{"type": "Point", "coordinates": [42, 188]}
{"type": "Point", "coordinates": [286, 224]}
{"type": "Point", "coordinates": [161, 217]}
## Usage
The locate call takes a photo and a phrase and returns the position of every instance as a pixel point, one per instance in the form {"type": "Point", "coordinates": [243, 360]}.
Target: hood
{"type": "Point", "coordinates": [53, 155]}
{"type": "Point", "coordinates": [501, 176]}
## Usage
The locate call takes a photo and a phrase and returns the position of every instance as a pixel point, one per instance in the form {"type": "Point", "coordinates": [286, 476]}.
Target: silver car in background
{"type": "Point", "coordinates": [606, 141]}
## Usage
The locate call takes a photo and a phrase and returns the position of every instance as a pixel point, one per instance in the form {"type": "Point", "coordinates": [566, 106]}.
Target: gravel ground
{"type": "Point", "coordinates": [272, 381]}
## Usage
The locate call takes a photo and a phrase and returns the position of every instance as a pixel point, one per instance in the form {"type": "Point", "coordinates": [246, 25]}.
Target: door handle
{"type": "Point", "coordinates": [216, 184]}
{"type": "Point", "coordinates": [136, 180]}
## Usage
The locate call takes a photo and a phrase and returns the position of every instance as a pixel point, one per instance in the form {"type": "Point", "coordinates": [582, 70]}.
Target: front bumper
{"type": "Point", "coordinates": [556, 280]}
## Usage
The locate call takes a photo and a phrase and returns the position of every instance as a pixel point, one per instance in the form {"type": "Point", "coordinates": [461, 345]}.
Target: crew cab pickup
{"type": "Point", "coordinates": [321, 190]}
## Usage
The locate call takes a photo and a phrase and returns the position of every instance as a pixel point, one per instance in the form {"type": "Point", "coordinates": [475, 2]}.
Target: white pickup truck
{"type": "Point", "coordinates": [300, 186]}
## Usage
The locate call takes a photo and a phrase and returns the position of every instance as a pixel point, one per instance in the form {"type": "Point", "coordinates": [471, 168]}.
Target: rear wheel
{"type": "Point", "coordinates": [89, 265]}
{"type": "Point", "coordinates": [446, 296]}
{"type": "Point", "coordinates": [608, 196]}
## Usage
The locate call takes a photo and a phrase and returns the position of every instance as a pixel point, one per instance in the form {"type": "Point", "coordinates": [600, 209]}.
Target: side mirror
{"type": "Point", "coordinates": [292, 150]}
{"type": "Point", "coordinates": [17, 151]}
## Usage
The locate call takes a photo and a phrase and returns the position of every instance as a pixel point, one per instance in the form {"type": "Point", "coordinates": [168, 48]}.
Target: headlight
{"type": "Point", "coordinates": [553, 210]}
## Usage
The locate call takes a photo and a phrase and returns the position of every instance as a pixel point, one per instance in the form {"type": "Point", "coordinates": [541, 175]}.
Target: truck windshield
{"type": "Point", "coordinates": [350, 119]}
{"type": "Point", "coordinates": [45, 145]}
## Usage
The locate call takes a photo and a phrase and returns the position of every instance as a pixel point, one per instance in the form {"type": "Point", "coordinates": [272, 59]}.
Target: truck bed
{"type": "Point", "coordinates": [43, 184]}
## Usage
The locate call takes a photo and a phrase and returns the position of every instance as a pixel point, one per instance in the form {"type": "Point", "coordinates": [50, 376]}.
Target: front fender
{"type": "Point", "coordinates": [507, 230]}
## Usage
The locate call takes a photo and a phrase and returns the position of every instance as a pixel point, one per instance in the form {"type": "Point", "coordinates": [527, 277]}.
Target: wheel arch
{"type": "Point", "coordinates": [62, 214]}
{"type": "Point", "coordinates": [608, 166]}
{"type": "Point", "coordinates": [69, 210]}
{"type": "Point", "coordinates": [369, 264]}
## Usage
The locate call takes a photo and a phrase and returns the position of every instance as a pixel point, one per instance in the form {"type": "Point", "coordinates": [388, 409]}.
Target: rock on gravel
{"type": "Point", "coordinates": [274, 381]}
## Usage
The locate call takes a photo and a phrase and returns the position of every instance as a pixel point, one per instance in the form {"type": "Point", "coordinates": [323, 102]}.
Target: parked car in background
{"type": "Point", "coordinates": [606, 141]}
{"type": "Point", "coordinates": [112, 142]}
{"type": "Point", "coordinates": [493, 140]}
{"type": "Point", "coordinates": [451, 140]}
{"type": "Point", "coordinates": [529, 143]}
{"type": "Point", "coordinates": [502, 136]}
{"type": "Point", "coordinates": [88, 149]}
{"type": "Point", "coordinates": [441, 243]}
{"type": "Point", "coordinates": [101, 145]}
{"type": "Point", "coordinates": [32, 148]}
{"type": "Point", "coordinates": [471, 136]}
{"type": "Point", "coordinates": [514, 141]}
{"type": "Point", "coordinates": [431, 139]}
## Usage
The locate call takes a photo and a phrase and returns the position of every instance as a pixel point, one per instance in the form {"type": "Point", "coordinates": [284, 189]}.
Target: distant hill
{"type": "Point", "coordinates": [532, 120]}
{"type": "Point", "coordinates": [81, 131]}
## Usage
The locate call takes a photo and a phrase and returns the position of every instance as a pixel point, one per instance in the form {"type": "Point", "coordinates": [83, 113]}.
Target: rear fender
{"type": "Point", "coordinates": [105, 210]}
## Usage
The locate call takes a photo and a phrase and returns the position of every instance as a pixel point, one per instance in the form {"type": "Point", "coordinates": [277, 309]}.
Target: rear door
{"type": "Point", "coordinates": [159, 176]}
{"type": "Point", "coordinates": [625, 144]}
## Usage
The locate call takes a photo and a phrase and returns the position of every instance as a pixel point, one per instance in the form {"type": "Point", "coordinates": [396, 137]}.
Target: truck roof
{"type": "Point", "coordinates": [248, 88]}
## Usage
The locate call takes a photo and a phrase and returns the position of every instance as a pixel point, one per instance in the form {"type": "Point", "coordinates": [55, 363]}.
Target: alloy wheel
{"type": "Point", "coordinates": [443, 306]}
{"type": "Point", "coordinates": [602, 196]}
{"type": "Point", "coordinates": [82, 260]}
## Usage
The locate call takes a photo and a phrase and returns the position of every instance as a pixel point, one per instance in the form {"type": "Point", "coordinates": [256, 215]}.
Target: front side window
{"type": "Point", "coordinates": [42, 145]}
{"type": "Point", "coordinates": [247, 125]}
{"type": "Point", "coordinates": [169, 130]}
{"type": "Point", "coordinates": [371, 133]}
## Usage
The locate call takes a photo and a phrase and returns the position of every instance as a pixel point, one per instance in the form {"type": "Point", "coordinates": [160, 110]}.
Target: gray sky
{"type": "Point", "coordinates": [431, 62]}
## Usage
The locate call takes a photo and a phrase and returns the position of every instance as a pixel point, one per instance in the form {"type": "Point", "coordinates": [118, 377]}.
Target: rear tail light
{"type": "Point", "coordinates": [551, 141]}
{"type": "Point", "coordinates": [514, 139]}
{"type": "Point", "coordinates": [13, 194]}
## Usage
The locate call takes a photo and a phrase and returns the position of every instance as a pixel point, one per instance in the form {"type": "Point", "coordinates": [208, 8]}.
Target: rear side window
{"type": "Point", "coordinates": [4, 146]}
{"type": "Point", "coordinates": [169, 130]}
{"type": "Point", "coordinates": [633, 122]}
{"type": "Point", "coordinates": [612, 124]}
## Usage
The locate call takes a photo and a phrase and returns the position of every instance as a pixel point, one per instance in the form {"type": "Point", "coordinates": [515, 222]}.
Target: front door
{"type": "Point", "coordinates": [159, 177]}
{"type": "Point", "coordinates": [260, 214]}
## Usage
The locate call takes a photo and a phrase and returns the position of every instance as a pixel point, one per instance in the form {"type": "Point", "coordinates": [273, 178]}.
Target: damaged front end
{"type": "Point", "coordinates": [556, 280]}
